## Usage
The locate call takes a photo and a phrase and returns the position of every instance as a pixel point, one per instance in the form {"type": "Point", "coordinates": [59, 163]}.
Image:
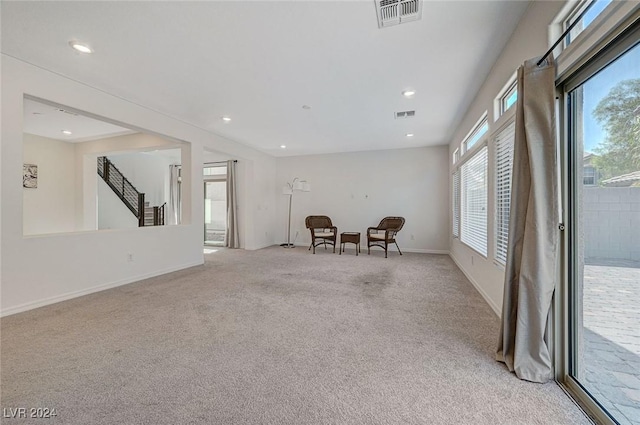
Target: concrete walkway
{"type": "Point", "coordinates": [612, 337]}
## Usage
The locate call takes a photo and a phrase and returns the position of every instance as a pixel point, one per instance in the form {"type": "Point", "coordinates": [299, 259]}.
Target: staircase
{"type": "Point", "coordinates": [129, 195]}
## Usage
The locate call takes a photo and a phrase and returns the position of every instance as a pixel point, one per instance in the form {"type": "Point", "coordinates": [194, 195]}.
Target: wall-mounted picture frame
{"type": "Point", "coordinates": [30, 176]}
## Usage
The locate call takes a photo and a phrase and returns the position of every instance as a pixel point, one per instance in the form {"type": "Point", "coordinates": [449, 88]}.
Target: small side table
{"type": "Point", "coordinates": [349, 237]}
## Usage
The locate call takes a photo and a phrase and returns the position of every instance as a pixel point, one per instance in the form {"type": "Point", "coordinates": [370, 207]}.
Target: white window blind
{"type": "Point", "coordinates": [504, 168]}
{"type": "Point", "coordinates": [456, 204]}
{"type": "Point", "coordinates": [473, 229]}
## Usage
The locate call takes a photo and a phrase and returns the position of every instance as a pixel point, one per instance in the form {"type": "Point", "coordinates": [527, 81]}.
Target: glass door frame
{"type": "Point", "coordinates": [205, 180]}
{"type": "Point", "coordinates": [566, 298]}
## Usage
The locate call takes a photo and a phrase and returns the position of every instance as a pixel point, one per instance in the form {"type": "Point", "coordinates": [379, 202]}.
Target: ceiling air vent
{"type": "Point", "coordinates": [394, 12]}
{"type": "Point", "coordinates": [405, 114]}
{"type": "Point", "coordinates": [64, 111]}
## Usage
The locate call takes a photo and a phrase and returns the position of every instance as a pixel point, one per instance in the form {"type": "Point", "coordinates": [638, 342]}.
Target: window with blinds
{"type": "Point", "coordinates": [456, 204]}
{"type": "Point", "coordinates": [474, 187]}
{"type": "Point", "coordinates": [504, 166]}
{"type": "Point", "coordinates": [476, 134]}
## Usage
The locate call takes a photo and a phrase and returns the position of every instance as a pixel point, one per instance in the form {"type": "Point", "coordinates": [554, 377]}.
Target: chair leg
{"type": "Point", "coordinates": [385, 249]}
{"type": "Point", "coordinates": [398, 248]}
{"type": "Point", "coordinates": [334, 246]}
{"type": "Point", "coordinates": [368, 247]}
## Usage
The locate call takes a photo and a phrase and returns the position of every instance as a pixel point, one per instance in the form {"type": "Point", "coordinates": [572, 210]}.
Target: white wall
{"type": "Point", "coordinates": [529, 40]}
{"type": "Point", "coordinates": [39, 270]}
{"type": "Point", "coordinates": [112, 212]}
{"type": "Point", "coordinates": [50, 208]}
{"type": "Point", "coordinates": [148, 173]}
{"type": "Point", "coordinates": [152, 173]}
{"type": "Point", "coordinates": [358, 189]}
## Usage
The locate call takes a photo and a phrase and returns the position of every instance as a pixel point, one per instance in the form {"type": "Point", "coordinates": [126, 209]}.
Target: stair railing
{"type": "Point", "coordinates": [158, 215]}
{"type": "Point", "coordinates": [122, 187]}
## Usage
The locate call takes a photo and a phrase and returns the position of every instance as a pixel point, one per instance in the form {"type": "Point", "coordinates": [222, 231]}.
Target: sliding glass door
{"type": "Point", "coordinates": [215, 204]}
{"type": "Point", "coordinates": [604, 232]}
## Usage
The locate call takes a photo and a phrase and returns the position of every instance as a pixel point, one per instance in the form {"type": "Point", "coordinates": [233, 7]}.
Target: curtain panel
{"type": "Point", "coordinates": [175, 195]}
{"type": "Point", "coordinates": [531, 273]}
{"type": "Point", "coordinates": [232, 236]}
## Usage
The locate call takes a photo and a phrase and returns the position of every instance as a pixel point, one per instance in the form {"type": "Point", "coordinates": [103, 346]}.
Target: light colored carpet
{"type": "Point", "coordinates": [275, 336]}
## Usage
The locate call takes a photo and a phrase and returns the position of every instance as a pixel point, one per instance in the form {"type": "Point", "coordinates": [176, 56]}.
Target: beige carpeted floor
{"type": "Point", "coordinates": [275, 336]}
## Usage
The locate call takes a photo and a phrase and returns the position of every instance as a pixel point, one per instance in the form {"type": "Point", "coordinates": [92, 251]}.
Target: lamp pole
{"type": "Point", "coordinates": [289, 244]}
{"type": "Point", "coordinates": [288, 190]}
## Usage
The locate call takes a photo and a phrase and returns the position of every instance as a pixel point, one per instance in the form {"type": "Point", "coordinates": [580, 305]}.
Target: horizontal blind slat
{"type": "Point", "coordinates": [504, 166]}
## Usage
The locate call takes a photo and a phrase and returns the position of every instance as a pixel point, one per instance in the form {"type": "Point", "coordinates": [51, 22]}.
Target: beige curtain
{"type": "Point", "coordinates": [530, 274]}
{"type": "Point", "coordinates": [175, 195]}
{"type": "Point", "coordinates": [232, 237]}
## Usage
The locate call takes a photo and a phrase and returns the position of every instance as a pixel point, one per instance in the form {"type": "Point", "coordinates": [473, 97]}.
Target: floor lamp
{"type": "Point", "coordinates": [288, 189]}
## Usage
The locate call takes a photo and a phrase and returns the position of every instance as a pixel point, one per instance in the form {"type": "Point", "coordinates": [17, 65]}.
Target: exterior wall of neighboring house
{"type": "Point", "coordinates": [612, 223]}
{"type": "Point", "coordinates": [590, 174]}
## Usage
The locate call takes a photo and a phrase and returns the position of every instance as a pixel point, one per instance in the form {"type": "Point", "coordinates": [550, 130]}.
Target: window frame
{"type": "Point", "coordinates": [579, 8]}
{"type": "Point", "coordinates": [508, 121]}
{"type": "Point", "coordinates": [475, 131]}
{"type": "Point", "coordinates": [601, 46]}
{"type": "Point", "coordinates": [478, 148]}
{"type": "Point", "coordinates": [455, 204]}
{"type": "Point", "coordinates": [504, 94]}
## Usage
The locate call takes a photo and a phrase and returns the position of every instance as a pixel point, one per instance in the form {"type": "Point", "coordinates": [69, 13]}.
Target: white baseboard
{"type": "Point", "coordinates": [75, 294]}
{"type": "Point", "coordinates": [364, 246]}
{"type": "Point", "coordinates": [476, 285]}
{"type": "Point", "coordinates": [426, 251]}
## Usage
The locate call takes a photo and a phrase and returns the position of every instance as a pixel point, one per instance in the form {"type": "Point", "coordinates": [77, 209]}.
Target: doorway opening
{"type": "Point", "coordinates": [215, 204]}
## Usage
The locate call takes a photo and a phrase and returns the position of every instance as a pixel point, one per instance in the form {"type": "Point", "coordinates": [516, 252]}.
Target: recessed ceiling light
{"type": "Point", "coordinates": [226, 119]}
{"type": "Point", "coordinates": [80, 47]}
{"type": "Point", "coordinates": [283, 146]}
{"type": "Point", "coordinates": [408, 93]}
{"type": "Point", "coordinates": [67, 132]}
{"type": "Point", "coordinates": [409, 134]}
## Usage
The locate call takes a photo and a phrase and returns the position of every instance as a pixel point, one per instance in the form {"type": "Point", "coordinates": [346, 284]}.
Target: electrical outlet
{"type": "Point", "coordinates": [129, 257]}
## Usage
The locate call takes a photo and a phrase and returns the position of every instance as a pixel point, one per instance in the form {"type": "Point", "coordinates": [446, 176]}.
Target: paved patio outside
{"type": "Point", "coordinates": [611, 311]}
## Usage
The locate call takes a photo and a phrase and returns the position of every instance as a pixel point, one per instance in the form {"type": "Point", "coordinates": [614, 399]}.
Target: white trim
{"type": "Point", "coordinates": [616, 18]}
{"type": "Point", "coordinates": [426, 251]}
{"type": "Point", "coordinates": [464, 149]}
{"type": "Point", "coordinates": [364, 247]}
{"type": "Point", "coordinates": [75, 294]}
{"type": "Point", "coordinates": [497, 102]}
{"type": "Point", "coordinates": [486, 297]}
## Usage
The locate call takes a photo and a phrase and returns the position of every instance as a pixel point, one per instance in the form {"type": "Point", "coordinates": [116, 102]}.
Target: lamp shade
{"type": "Point", "coordinates": [306, 187]}
{"type": "Point", "coordinates": [297, 185]}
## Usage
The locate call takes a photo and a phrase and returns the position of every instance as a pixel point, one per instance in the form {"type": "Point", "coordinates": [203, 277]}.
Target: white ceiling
{"type": "Point", "coordinates": [49, 121]}
{"type": "Point", "coordinates": [259, 62]}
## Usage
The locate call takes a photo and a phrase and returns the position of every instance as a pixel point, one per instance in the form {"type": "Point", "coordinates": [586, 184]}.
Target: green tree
{"type": "Point", "coordinates": [619, 114]}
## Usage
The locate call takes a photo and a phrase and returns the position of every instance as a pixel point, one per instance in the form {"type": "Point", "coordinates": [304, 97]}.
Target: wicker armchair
{"type": "Point", "coordinates": [384, 234]}
{"type": "Point", "coordinates": [322, 231]}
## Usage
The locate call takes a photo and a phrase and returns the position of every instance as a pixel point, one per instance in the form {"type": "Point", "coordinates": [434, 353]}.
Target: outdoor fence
{"type": "Point", "coordinates": [612, 223]}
